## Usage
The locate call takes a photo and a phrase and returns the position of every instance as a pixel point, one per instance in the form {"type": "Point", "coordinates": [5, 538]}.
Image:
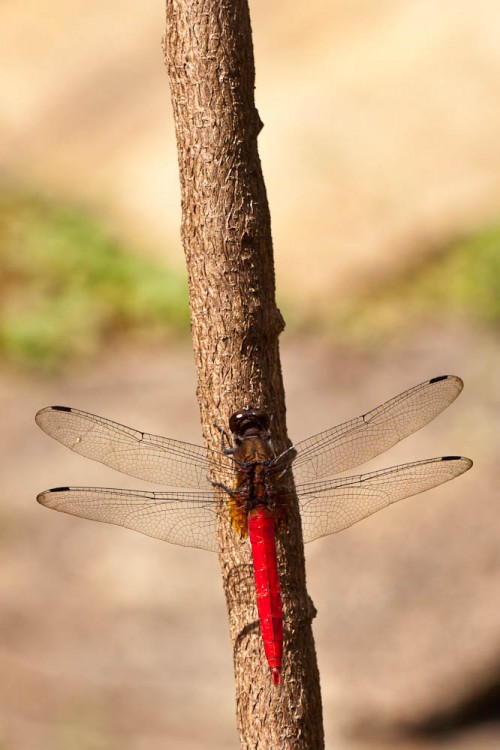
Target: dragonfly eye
{"type": "Point", "coordinates": [247, 419]}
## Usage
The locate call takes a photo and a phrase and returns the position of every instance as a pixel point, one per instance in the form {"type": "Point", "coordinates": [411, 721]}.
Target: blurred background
{"type": "Point", "coordinates": [381, 153]}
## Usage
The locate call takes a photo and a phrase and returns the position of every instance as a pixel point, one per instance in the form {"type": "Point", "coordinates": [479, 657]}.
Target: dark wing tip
{"type": "Point", "coordinates": [439, 378]}
{"type": "Point", "coordinates": [42, 497]}
{"type": "Point", "coordinates": [467, 461]}
{"type": "Point", "coordinates": [46, 409]}
{"type": "Point", "coordinates": [455, 383]}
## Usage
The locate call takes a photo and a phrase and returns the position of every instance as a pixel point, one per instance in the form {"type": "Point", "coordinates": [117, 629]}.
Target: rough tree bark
{"type": "Point", "coordinates": [235, 323]}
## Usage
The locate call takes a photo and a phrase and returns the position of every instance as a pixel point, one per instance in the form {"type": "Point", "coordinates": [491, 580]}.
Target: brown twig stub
{"type": "Point", "coordinates": [226, 234]}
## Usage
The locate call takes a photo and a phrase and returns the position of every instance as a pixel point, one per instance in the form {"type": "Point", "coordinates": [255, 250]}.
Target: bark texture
{"type": "Point", "coordinates": [235, 324]}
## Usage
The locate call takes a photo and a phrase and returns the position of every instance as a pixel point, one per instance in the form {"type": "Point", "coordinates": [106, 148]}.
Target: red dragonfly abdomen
{"type": "Point", "coordinates": [267, 586]}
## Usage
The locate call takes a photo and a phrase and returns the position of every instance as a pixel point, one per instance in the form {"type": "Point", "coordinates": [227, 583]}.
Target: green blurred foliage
{"type": "Point", "coordinates": [458, 282]}
{"type": "Point", "coordinates": [67, 287]}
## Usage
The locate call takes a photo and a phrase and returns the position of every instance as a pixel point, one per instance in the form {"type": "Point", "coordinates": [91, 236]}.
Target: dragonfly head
{"type": "Point", "coordinates": [249, 422]}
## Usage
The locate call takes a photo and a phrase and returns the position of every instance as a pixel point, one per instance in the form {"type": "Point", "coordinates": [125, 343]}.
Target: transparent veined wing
{"type": "Point", "coordinates": [333, 505]}
{"type": "Point", "coordinates": [185, 518]}
{"type": "Point", "coordinates": [139, 454]}
{"type": "Point", "coordinates": [352, 443]}
{"type": "Point", "coordinates": [189, 519]}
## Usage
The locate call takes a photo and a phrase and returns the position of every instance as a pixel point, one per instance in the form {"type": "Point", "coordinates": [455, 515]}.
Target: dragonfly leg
{"type": "Point", "coordinates": [229, 490]}
{"type": "Point", "coordinates": [224, 438]}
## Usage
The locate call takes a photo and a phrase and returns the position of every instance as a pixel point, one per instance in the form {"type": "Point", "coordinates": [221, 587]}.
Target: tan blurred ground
{"type": "Point", "coordinates": [382, 124]}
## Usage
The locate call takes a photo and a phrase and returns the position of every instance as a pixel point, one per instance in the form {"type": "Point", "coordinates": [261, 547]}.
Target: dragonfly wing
{"type": "Point", "coordinates": [150, 457]}
{"type": "Point", "coordinates": [328, 507]}
{"type": "Point", "coordinates": [352, 443]}
{"type": "Point", "coordinates": [188, 519]}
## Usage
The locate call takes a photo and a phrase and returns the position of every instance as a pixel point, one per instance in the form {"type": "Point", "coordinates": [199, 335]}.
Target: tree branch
{"type": "Point", "coordinates": [235, 324]}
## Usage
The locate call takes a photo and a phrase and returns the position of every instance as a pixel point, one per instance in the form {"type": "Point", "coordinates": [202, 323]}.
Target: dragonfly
{"type": "Point", "coordinates": [264, 482]}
